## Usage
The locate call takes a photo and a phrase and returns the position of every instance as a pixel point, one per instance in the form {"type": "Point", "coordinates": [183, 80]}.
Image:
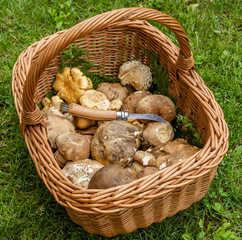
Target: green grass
{"type": "Point", "coordinates": [29, 211]}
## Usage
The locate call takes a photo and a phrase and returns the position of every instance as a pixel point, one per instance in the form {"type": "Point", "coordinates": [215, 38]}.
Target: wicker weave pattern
{"type": "Point", "coordinates": [111, 39]}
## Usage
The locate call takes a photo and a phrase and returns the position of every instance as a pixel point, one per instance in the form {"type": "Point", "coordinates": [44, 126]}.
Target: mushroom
{"type": "Point", "coordinates": [57, 125]}
{"type": "Point", "coordinates": [94, 99]}
{"type": "Point", "coordinates": [84, 82]}
{"type": "Point", "coordinates": [130, 88]}
{"type": "Point", "coordinates": [135, 167]}
{"type": "Point", "coordinates": [89, 131]}
{"type": "Point", "coordinates": [147, 171]}
{"type": "Point", "coordinates": [158, 133]}
{"type": "Point", "coordinates": [115, 105]}
{"type": "Point", "coordinates": [113, 91]}
{"type": "Point", "coordinates": [136, 122]}
{"type": "Point", "coordinates": [83, 123]}
{"type": "Point", "coordinates": [71, 84]}
{"type": "Point", "coordinates": [144, 158]}
{"type": "Point", "coordinates": [136, 74]}
{"type": "Point", "coordinates": [56, 102]}
{"type": "Point", "coordinates": [110, 176]}
{"type": "Point", "coordinates": [89, 138]}
{"type": "Point", "coordinates": [173, 152]}
{"type": "Point", "coordinates": [115, 142]}
{"type": "Point", "coordinates": [80, 172]}
{"type": "Point", "coordinates": [130, 103]}
{"type": "Point", "coordinates": [60, 159]}
{"type": "Point", "coordinates": [51, 107]}
{"type": "Point", "coordinates": [73, 146]}
{"type": "Point", "coordinates": [157, 104]}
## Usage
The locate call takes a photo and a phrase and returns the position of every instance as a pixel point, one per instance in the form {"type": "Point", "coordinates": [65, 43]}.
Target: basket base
{"type": "Point", "coordinates": [155, 211]}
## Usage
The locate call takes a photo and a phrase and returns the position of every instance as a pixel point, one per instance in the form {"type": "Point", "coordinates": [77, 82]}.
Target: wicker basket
{"type": "Point", "coordinates": [113, 38]}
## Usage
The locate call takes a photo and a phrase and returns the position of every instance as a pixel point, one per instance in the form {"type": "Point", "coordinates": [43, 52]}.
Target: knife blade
{"type": "Point", "coordinates": [146, 116]}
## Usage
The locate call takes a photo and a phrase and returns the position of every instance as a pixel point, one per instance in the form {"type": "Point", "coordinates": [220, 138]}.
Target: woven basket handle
{"type": "Point", "coordinates": [31, 114]}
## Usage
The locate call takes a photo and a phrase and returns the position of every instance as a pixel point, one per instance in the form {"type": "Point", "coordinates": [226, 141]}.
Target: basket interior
{"type": "Point", "coordinates": [112, 46]}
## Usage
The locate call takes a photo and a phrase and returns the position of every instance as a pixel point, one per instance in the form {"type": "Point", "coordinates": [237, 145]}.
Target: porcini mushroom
{"type": "Point", "coordinates": [173, 152]}
{"type": "Point", "coordinates": [60, 159]}
{"type": "Point", "coordinates": [83, 123]}
{"type": "Point", "coordinates": [57, 125]}
{"type": "Point", "coordinates": [157, 104]}
{"type": "Point", "coordinates": [136, 74]}
{"type": "Point", "coordinates": [147, 171]}
{"type": "Point", "coordinates": [80, 172]}
{"type": "Point", "coordinates": [158, 133]}
{"type": "Point", "coordinates": [144, 158]}
{"type": "Point", "coordinates": [110, 176]}
{"type": "Point", "coordinates": [115, 142]}
{"type": "Point", "coordinates": [73, 146]}
{"type": "Point", "coordinates": [131, 102]}
{"type": "Point", "coordinates": [113, 91]}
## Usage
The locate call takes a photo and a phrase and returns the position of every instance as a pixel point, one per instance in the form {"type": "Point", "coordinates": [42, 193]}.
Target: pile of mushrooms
{"type": "Point", "coordinates": [104, 154]}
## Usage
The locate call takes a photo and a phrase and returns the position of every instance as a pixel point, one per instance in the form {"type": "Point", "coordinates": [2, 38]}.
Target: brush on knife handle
{"type": "Point", "coordinates": [84, 112]}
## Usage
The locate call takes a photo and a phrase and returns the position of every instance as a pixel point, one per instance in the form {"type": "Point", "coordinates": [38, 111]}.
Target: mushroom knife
{"type": "Point", "coordinates": [84, 112]}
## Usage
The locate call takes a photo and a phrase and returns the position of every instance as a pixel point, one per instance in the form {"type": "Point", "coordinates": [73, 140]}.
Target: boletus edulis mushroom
{"type": "Point", "coordinates": [110, 176]}
{"type": "Point", "coordinates": [115, 142]}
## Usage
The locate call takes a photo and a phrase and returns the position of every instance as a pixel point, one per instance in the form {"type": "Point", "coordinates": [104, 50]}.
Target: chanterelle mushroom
{"type": "Point", "coordinates": [84, 82]}
{"type": "Point", "coordinates": [71, 84]}
{"type": "Point", "coordinates": [96, 100]}
{"type": "Point", "coordinates": [115, 105]}
{"type": "Point", "coordinates": [136, 74]}
{"type": "Point", "coordinates": [52, 107]}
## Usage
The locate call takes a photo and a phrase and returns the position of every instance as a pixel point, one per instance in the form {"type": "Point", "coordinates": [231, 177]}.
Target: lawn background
{"type": "Point", "coordinates": [29, 211]}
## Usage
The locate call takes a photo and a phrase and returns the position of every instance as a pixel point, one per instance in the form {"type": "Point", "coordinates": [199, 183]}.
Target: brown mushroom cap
{"type": "Point", "coordinates": [131, 102]}
{"type": "Point", "coordinates": [60, 159]}
{"type": "Point", "coordinates": [147, 171]}
{"type": "Point", "coordinates": [157, 104]}
{"type": "Point", "coordinates": [83, 123]}
{"type": "Point", "coordinates": [173, 152]}
{"type": "Point", "coordinates": [136, 167]}
{"type": "Point", "coordinates": [144, 158]}
{"type": "Point", "coordinates": [115, 142]}
{"type": "Point", "coordinates": [158, 133]}
{"type": "Point", "coordinates": [73, 146]}
{"type": "Point", "coordinates": [57, 125]}
{"type": "Point", "coordinates": [113, 91]}
{"type": "Point", "coordinates": [89, 131]}
{"type": "Point", "coordinates": [136, 74]}
{"type": "Point", "coordinates": [110, 176]}
{"type": "Point", "coordinates": [80, 172]}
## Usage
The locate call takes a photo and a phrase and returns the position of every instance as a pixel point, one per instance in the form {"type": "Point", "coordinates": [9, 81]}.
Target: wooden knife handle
{"type": "Point", "coordinates": [84, 112]}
